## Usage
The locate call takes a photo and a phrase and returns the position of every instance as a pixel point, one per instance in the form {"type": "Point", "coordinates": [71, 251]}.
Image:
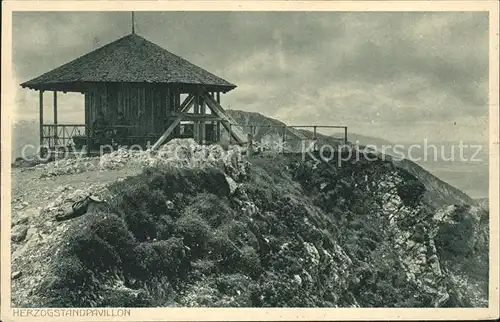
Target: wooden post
{"type": "Point", "coordinates": [345, 135]}
{"type": "Point", "coordinates": [88, 123]}
{"type": "Point", "coordinates": [183, 108]}
{"type": "Point", "coordinates": [41, 117]}
{"type": "Point", "coordinates": [196, 124]}
{"type": "Point", "coordinates": [202, 122]}
{"type": "Point", "coordinates": [174, 107]}
{"type": "Point", "coordinates": [219, 111]}
{"type": "Point", "coordinates": [55, 120]}
{"type": "Point", "coordinates": [217, 95]}
{"type": "Point", "coordinates": [217, 124]}
{"type": "Point", "coordinates": [217, 131]}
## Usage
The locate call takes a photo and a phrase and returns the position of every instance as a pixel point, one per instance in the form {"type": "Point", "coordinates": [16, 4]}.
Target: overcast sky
{"type": "Point", "coordinates": [401, 77]}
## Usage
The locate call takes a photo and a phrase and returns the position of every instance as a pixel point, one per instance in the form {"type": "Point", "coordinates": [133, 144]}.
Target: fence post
{"type": "Point", "coordinates": [345, 134]}
{"type": "Point", "coordinates": [314, 139]}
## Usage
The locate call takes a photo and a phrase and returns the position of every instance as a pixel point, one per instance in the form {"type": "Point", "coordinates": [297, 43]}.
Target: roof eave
{"type": "Point", "coordinates": [231, 87]}
{"type": "Point", "coordinates": [64, 86]}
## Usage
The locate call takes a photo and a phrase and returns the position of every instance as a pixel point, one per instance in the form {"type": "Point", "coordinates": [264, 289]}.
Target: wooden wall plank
{"type": "Point", "coordinates": [104, 102]}
{"type": "Point", "coordinates": [136, 111]}
{"type": "Point", "coordinates": [86, 110]}
{"type": "Point", "coordinates": [147, 107]}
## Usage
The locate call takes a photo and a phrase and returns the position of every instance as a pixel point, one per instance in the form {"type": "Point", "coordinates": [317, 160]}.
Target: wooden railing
{"type": "Point", "coordinates": [79, 136]}
{"type": "Point", "coordinates": [279, 136]}
{"type": "Point", "coordinates": [54, 135]}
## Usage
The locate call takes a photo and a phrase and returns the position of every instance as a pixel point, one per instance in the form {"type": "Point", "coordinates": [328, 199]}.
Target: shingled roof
{"type": "Point", "coordinates": [130, 59]}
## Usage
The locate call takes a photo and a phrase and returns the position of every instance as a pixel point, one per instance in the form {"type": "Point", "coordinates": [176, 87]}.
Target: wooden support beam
{"type": "Point", "coordinates": [179, 99]}
{"type": "Point", "coordinates": [196, 125]}
{"type": "Point", "coordinates": [88, 123]}
{"type": "Point", "coordinates": [218, 97]}
{"type": "Point", "coordinates": [186, 104]}
{"type": "Point", "coordinates": [41, 117]}
{"type": "Point", "coordinates": [217, 131]}
{"type": "Point", "coordinates": [197, 117]}
{"type": "Point", "coordinates": [219, 111]}
{"type": "Point", "coordinates": [165, 135]}
{"type": "Point", "coordinates": [184, 107]}
{"type": "Point", "coordinates": [203, 112]}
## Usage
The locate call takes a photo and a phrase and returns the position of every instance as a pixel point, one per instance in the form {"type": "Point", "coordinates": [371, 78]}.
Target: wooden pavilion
{"type": "Point", "coordinates": [143, 91]}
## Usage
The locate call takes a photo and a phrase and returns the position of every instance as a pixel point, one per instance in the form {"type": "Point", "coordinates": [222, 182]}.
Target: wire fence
{"type": "Point", "coordinates": [284, 138]}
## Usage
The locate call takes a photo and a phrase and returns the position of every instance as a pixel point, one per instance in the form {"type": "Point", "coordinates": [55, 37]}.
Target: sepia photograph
{"type": "Point", "coordinates": [217, 158]}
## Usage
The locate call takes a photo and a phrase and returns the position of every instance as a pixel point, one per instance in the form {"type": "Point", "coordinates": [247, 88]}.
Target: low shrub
{"type": "Point", "coordinates": [165, 227]}
{"type": "Point", "coordinates": [141, 223]}
{"type": "Point", "coordinates": [173, 262]}
{"type": "Point", "coordinates": [96, 253]}
{"type": "Point", "coordinates": [223, 251]}
{"type": "Point", "coordinates": [113, 229]}
{"type": "Point", "coordinates": [146, 262]}
{"type": "Point", "coordinates": [72, 284]}
{"type": "Point", "coordinates": [239, 233]}
{"type": "Point", "coordinates": [211, 208]}
{"type": "Point", "coordinates": [455, 239]}
{"type": "Point", "coordinates": [249, 262]}
{"type": "Point", "coordinates": [194, 232]}
{"type": "Point", "coordinates": [204, 267]}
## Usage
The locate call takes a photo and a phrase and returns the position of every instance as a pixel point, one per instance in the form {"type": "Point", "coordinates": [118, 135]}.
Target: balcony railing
{"type": "Point", "coordinates": [78, 136]}
{"type": "Point", "coordinates": [54, 135]}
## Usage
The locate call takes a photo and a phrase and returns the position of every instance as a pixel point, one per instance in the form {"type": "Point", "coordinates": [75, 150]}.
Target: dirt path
{"type": "Point", "coordinates": [35, 234]}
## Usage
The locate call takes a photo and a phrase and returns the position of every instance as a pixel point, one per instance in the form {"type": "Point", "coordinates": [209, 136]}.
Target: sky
{"type": "Point", "coordinates": [401, 77]}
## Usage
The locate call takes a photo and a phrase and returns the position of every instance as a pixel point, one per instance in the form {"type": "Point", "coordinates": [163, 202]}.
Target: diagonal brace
{"type": "Point", "coordinates": [184, 107]}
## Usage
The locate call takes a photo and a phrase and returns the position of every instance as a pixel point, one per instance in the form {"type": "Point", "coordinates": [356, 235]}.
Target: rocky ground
{"type": "Point", "coordinates": [35, 233]}
{"type": "Point", "coordinates": [194, 227]}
